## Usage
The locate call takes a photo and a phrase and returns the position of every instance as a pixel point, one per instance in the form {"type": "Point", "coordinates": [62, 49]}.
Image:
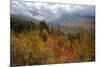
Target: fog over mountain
{"type": "Point", "coordinates": [52, 12]}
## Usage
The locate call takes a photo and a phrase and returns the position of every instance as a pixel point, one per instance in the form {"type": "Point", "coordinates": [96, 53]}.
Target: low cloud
{"type": "Point", "coordinates": [49, 11]}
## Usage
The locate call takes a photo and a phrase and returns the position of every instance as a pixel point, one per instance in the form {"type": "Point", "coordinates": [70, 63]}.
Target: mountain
{"type": "Point", "coordinates": [73, 21]}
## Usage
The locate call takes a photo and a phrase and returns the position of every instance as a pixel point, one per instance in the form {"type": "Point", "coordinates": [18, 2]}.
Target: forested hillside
{"type": "Point", "coordinates": [35, 43]}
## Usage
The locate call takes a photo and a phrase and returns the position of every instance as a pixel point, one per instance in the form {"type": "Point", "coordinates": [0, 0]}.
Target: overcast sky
{"type": "Point", "coordinates": [49, 11]}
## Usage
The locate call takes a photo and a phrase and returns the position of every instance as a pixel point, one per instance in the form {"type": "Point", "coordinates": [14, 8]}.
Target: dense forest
{"type": "Point", "coordinates": [35, 43]}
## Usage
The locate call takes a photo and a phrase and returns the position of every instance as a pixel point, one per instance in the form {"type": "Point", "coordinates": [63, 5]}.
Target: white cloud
{"type": "Point", "coordinates": [48, 11]}
{"type": "Point", "coordinates": [18, 8]}
{"type": "Point", "coordinates": [89, 2]}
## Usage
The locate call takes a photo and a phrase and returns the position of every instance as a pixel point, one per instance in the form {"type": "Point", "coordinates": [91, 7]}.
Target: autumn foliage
{"type": "Point", "coordinates": [36, 43]}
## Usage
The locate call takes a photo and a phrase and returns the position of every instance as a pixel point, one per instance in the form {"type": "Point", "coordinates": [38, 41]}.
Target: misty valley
{"type": "Point", "coordinates": [45, 33]}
